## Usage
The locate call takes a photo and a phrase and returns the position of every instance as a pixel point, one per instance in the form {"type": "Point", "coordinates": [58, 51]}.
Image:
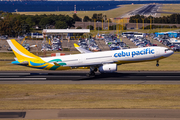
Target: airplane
{"type": "Point", "coordinates": [104, 61]}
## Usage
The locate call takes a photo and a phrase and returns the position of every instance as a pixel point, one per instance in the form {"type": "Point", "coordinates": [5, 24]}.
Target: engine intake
{"type": "Point", "coordinates": [108, 68]}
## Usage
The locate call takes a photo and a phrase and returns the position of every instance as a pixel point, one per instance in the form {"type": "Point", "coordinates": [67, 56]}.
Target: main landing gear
{"type": "Point", "coordinates": [92, 72]}
{"type": "Point", "coordinates": [157, 63]}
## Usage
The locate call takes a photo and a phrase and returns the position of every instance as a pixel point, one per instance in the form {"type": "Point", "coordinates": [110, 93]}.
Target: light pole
{"type": "Point", "coordinates": [143, 23]}
{"type": "Point", "coordinates": [108, 24]}
{"type": "Point", "coordinates": [102, 24]}
{"type": "Point", "coordinates": [95, 24]}
{"type": "Point", "coordinates": [98, 27]}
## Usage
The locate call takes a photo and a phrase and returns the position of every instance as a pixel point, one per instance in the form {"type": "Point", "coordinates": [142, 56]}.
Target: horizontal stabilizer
{"type": "Point", "coordinates": [25, 63]}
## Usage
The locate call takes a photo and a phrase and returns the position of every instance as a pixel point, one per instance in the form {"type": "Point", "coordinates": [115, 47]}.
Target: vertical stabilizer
{"type": "Point", "coordinates": [20, 52]}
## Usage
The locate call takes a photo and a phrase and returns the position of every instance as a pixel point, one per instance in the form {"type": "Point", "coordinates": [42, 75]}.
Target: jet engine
{"type": "Point", "coordinates": [108, 68]}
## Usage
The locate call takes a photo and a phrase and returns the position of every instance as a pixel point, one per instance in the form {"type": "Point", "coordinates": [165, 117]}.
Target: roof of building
{"type": "Point", "coordinates": [66, 30]}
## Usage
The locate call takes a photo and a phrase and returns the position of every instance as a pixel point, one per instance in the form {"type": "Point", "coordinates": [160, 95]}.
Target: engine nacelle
{"type": "Point", "coordinates": [108, 68]}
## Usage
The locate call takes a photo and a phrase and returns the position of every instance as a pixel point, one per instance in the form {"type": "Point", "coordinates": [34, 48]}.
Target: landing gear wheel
{"type": "Point", "coordinates": [91, 74]}
{"type": "Point", "coordinates": [157, 63]}
{"type": "Point", "coordinates": [95, 70]}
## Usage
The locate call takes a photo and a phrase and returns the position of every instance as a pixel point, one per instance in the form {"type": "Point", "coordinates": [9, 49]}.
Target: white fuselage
{"type": "Point", "coordinates": [115, 56]}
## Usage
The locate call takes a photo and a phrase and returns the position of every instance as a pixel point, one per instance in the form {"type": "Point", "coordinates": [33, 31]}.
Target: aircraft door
{"type": "Point", "coordinates": [157, 52]}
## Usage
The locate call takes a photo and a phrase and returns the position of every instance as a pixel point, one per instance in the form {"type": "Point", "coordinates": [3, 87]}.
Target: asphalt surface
{"type": "Point", "coordinates": [139, 114]}
{"type": "Point", "coordinates": [79, 77]}
{"type": "Point", "coordinates": [146, 10]}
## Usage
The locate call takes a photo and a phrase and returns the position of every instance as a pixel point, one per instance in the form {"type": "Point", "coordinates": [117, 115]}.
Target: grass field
{"type": "Point", "coordinates": [174, 8]}
{"type": "Point", "coordinates": [110, 13]}
{"type": "Point", "coordinates": [89, 96]}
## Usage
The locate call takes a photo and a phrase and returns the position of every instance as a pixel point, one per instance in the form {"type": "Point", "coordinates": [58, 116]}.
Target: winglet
{"type": "Point", "coordinates": [75, 45]}
{"type": "Point", "coordinates": [80, 49]}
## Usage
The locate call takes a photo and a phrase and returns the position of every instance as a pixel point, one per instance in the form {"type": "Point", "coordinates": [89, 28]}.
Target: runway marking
{"type": "Point", "coordinates": [65, 76]}
{"type": "Point", "coordinates": [14, 74]}
{"type": "Point", "coordinates": [162, 76]}
{"type": "Point", "coordinates": [22, 78]}
{"type": "Point", "coordinates": [9, 76]}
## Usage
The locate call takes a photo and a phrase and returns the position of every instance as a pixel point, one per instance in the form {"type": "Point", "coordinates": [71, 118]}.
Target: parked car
{"type": "Point", "coordinates": [56, 46]}
{"type": "Point", "coordinates": [9, 49]}
{"type": "Point", "coordinates": [94, 48]}
{"type": "Point", "coordinates": [27, 46]}
{"type": "Point", "coordinates": [46, 47]}
{"type": "Point", "coordinates": [4, 37]}
{"type": "Point", "coordinates": [175, 48]}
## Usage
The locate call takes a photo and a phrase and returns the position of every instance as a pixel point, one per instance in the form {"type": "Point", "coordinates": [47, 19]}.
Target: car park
{"type": "Point", "coordinates": [94, 48]}
{"type": "Point", "coordinates": [114, 43]}
{"type": "Point", "coordinates": [3, 37]}
{"type": "Point", "coordinates": [46, 47]}
{"type": "Point", "coordinates": [27, 46]}
{"type": "Point", "coordinates": [175, 48]}
{"type": "Point", "coordinates": [56, 44]}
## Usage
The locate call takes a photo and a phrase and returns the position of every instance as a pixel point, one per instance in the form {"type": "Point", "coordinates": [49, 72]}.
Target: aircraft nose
{"type": "Point", "coordinates": [170, 52]}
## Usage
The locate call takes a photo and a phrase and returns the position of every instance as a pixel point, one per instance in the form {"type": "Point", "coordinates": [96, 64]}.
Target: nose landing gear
{"type": "Point", "coordinates": [157, 63]}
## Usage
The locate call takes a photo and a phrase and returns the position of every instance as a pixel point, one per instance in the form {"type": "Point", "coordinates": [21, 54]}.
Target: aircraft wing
{"type": "Point", "coordinates": [80, 49]}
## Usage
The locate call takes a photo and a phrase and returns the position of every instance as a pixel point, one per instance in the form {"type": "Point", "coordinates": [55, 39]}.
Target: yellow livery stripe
{"type": "Point", "coordinates": [22, 49]}
{"type": "Point", "coordinates": [75, 45]}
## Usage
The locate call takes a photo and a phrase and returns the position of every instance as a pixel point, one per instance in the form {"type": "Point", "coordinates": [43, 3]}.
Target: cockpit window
{"type": "Point", "coordinates": [167, 49]}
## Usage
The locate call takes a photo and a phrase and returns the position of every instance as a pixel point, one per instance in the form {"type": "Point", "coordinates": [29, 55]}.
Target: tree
{"type": "Point", "coordinates": [98, 28]}
{"type": "Point", "coordinates": [113, 27]}
{"type": "Point", "coordinates": [16, 24]}
{"type": "Point", "coordinates": [76, 18]}
{"type": "Point", "coordinates": [94, 17]}
{"type": "Point", "coordinates": [29, 21]}
{"type": "Point", "coordinates": [90, 27]}
{"type": "Point", "coordinates": [97, 17]}
{"type": "Point", "coordinates": [44, 22]}
{"type": "Point", "coordinates": [86, 19]}
{"type": "Point", "coordinates": [60, 25]}
{"type": "Point", "coordinates": [69, 21]}
{"type": "Point", "coordinates": [79, 27]}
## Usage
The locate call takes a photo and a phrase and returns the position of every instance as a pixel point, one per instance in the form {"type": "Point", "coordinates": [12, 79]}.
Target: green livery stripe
{"type": "Point", "coordinates": [56, 60]}
{"type": "Point", "coordinates": [54, 67]}
{"type": "Point", "coordinates": [62, 63]}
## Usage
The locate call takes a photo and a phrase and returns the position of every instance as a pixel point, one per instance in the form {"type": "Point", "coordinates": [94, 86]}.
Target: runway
{"type": "Point", "coordinates": [139, 114]}
{"type": "Point", "coordinates": [146, 10]}
{"type": "Point", "coordinates": [79, 77]}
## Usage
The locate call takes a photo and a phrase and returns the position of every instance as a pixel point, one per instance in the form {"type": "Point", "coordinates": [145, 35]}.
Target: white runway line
{"type": "Point", "coordinates": [22, 78]}
{"type": "Point", "coordinates": [15, 73]}
{"type": "Point", "coordinates": [65, 76]}
{"type": "Point", "coordinates": [162, 76]}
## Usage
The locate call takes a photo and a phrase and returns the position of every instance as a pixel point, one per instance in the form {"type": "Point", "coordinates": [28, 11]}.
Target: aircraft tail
{"type": "Point", "coordinates": [20, 52]}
